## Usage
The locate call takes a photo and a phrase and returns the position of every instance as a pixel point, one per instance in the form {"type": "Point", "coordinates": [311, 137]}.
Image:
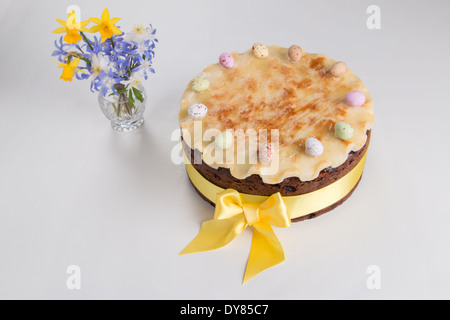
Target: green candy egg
{"type": "Point", "coordinates": [224, 140]}
{"type": "Point", "coordinates": [343, 130]}
{"type": "Point", "coordinates": [199, 84]}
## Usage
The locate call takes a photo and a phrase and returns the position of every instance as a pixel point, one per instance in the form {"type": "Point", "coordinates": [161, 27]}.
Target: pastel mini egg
{"type": "Point", "coordinates": [355, 98]}
{"type": "Point", "coordinates": [313, 147]}
{"type": "Point", "coordinates": [199, 84]}
{"type": "Point", "coordinates": [226, 60]}
{"type": "Point", "coordinates": [295, 53]}
{"type": "Point", "coordinates": [224, 140]}
{"type": "Point", "coordinates": [197, 111]}
{"type": "Point", "coordinates": [260, 50]}
{"type": "Point", "coordinates": [266, 153]}
{"type": "Point", "coordinates": [338, 69]}
{"type": "Point", "coordinates": [343, 130]}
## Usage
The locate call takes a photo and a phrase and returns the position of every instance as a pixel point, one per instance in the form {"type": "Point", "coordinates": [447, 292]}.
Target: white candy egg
{"type": "Point", "coordinates": [197, 111]}
{"type": "Point", "coordinates": [313, 147]}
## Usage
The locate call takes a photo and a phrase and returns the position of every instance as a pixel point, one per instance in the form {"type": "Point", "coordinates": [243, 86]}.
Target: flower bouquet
{"type": "Point", "coordinates": [115, 64]}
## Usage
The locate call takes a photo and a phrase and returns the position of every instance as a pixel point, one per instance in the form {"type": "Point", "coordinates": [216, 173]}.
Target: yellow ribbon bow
{"type": "Point", "coordinates": [232, 216]}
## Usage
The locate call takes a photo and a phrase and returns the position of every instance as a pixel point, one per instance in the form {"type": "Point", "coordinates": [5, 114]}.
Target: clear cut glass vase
{"type": "Point", "coordinates": [126, 114]}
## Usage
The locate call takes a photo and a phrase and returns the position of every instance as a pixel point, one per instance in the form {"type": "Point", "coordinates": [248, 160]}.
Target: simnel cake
{"type": "Point", "coordinates": [276, 120]}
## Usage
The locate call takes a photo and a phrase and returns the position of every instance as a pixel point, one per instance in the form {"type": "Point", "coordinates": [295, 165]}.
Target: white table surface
{"type": "Point", "coordinates": [74, 192]}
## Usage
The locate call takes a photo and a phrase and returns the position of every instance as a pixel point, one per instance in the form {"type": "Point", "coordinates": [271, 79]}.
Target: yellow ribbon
{"type": "Point", "coordinates": [235, 211]}
{"type": "Point", "coordinates": [232, 216]}
{"type": "Point", "coordinates": [298, 206]}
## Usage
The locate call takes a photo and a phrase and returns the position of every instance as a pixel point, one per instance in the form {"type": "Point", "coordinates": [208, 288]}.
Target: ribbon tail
{"type": "Point", "coordinates": [215, 234]}
{"type": "Point", "coordinates": [265, 252]}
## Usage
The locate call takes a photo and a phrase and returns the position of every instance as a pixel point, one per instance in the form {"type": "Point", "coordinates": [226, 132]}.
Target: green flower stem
{"type": "Point", "coordinates": [86, 40]}
{"type": "Point", "coordinates": [76, 54]}
{"type": "Point", "coordinates": [123, 100]}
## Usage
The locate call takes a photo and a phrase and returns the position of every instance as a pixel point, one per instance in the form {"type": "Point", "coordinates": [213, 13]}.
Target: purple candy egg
{"type": "Point", "coordinates": [226, 60]}
{"type": "Point", "coordinates": [355, 98]}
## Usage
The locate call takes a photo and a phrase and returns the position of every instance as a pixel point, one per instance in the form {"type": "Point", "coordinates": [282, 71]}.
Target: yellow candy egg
{"type": "Point", "coordinates": [260, 50]}
{"type": "Point", "coordinates": [338, 69]}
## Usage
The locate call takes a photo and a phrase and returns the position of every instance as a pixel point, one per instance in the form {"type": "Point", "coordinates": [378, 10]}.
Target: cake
{"type": "Point", "coordinates": [304, 122]}
{"type": "Point", "coordinates": [272, 136]}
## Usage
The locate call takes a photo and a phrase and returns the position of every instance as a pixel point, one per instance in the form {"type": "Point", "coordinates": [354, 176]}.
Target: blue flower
{"type": "Point", "coordinates": [144, 67]}
{"type": "Point", "coordinates": [97, 46]}
{"type": "Point", "coordinates": [61, 49]}
{"type": "Point", "coordinates": [81, 75]}
{"type": "Point", "coordinates": [143, 50]}
{"type": "Point", "coordinates": [107, 82]}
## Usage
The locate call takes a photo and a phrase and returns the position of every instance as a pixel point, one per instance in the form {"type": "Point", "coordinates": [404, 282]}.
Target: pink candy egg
{"type": "Point", "coordinates": [266, 153]}
{"type": "Point", "coordinates": [226, 60]}
{"type": "Point", "coordinates": [355, 98]}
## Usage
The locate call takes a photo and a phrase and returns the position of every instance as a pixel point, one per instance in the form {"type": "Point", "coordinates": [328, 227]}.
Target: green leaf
{"type": "Point", "coordinates": [121, 91]}
{"type": "Point", "coordinates": [138, 94]}
{"type": "Point", "coordinates": [130, 99]}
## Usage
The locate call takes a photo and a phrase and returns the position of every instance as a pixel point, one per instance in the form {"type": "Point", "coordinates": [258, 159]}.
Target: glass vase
{"type": "Point", "coordinates": [125, 114]}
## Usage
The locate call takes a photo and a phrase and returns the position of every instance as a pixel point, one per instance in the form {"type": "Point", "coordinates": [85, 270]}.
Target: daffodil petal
{"type": "Point", "coordinates": [115, 30]}
{"type": "Point", "coordinates": [58, 63]}
{"type": "Point", "coordinates": [60, 30]}
{"type": "Point", "coordinates": [95, 28]}
{"type": "Point", "coordinates": [74, 63]}
{"type": "Point", "coordinates": [64, 23]}
{"type": "Point", "coordinates": [105, 15]}
{"type": "Point", "coordinates": [72, 19]}
{"type": "Point", "coordinates": [114, 20]}
{"type": "Point", "coordinates": [95, 20]}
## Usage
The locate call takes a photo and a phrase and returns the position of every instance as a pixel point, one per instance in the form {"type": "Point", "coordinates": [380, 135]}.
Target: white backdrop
{"type": "Point", "coordinates": [74, 192]}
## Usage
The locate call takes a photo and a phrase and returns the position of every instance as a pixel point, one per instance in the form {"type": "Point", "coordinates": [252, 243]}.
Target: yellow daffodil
{"type": "Point", "coordinates": [69, 69]}
{"type": "Point", "coordinates": [72, 28]}
{"type": "Point", "coordinates": [105, 25]}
